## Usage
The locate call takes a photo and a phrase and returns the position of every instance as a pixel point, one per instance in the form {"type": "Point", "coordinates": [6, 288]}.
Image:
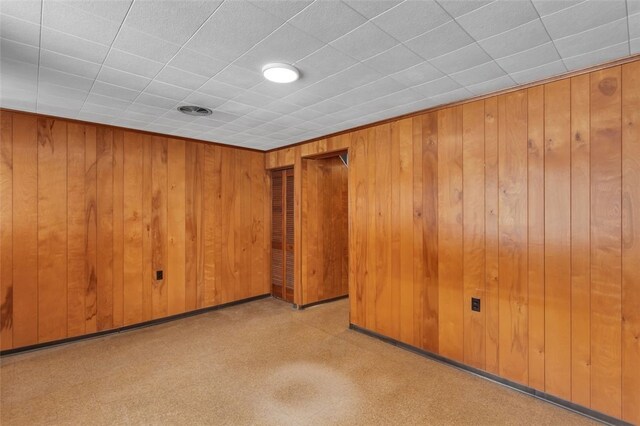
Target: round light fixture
{"type": "Point", "coordinates": [280, 73]}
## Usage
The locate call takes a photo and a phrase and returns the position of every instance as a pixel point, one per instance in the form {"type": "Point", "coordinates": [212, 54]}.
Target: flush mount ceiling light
{"type": "Point", "coordinates": [194, 110]}
{"type": "Point", "coordinates": [280, 73]}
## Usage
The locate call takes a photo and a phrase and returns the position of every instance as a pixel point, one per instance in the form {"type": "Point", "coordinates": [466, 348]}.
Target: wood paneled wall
{"type": "Point", "coordinates": [325, 229]}
{"type": "Point", "coordinates": [90, 212]}
{"type": "Point", "coordinates": [529, 200]}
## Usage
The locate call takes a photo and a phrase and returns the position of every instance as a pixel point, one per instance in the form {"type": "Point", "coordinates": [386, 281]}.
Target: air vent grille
{"type": "Point", "coordinates": [194, 110]}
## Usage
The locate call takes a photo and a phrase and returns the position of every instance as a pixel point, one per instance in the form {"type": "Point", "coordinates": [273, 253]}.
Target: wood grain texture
{"type": "Point", "coordinates": [580, 243]}
{"type": "Point", "coordinates": [159, 238]}
{"type": "Point", "coordinates": [473, 231]}
{"type": "Point", "coordinates": [450, 233]}
{"type": "Point", "coordinates": [418, 254]}
{"type": "Point", "coordinates": [52, 230]}
{"type": "Point", "coordinates": [104, 233]}
{"type": "Point", "coordinates": [118, 228]}
{"type": "Point", "coordinates": [606, 244]}
{"type": "Point", "coordinates": [358, 259]}
{"type": "Point", "coordinates": [405, 224]}
{"type": "Point", "coordinates": [6, 231]}
{"type": "Point", "coordinates": [91, 221]}
{"type": "Point", "coordinates": [176, 205]}
{"type": "Point", "coordinates": [557, 238]}
{"type": "Point", "coordinates": [631, 242]}
{"type": "Point", "coordinates": [512, 222]}
{"type": "Point", "coordinates": [536, 229]}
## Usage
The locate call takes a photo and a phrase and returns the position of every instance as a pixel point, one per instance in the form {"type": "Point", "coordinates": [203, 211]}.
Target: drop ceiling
{"type": "Point", "coordinates": [132, 63]}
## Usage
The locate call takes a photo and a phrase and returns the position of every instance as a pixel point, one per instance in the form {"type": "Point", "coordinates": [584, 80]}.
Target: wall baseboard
{"type": "Point", "coordinates": [568, 405]}
{"type": "Point", "coordinates": [130, 327]}
{"type": "Point", "coordinates": [320, 302]}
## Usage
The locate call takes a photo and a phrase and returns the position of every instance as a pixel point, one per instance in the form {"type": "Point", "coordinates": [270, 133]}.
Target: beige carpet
{"type": "Point", "coordinates": [258, 363]}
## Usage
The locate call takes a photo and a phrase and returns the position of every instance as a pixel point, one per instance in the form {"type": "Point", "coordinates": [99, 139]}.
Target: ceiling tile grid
{"type": "Point", "coordinates": [132, 63]}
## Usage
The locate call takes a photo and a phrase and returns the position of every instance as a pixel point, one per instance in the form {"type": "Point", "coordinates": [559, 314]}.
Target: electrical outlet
{"type": "Point", "coordinates": [475, 304]}
{"type": "Point", "coordinates": [159, 275]}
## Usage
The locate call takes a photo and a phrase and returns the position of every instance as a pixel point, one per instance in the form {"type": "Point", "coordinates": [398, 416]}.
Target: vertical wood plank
{"type": "Point", "coordinates": [372, 218]}
{"type": "Point", "coordinates": [132, 228]}
{"type": "Point", "coordinates": [176, 225]}
{"type": "Point", "coordinates": [76, 230]}
{"type": "Point", "coordinates": [6, 231]}
{"type": "Point", "coordinates": [226, 172]}
{"type": "Point", "coordinates": [631, 242]}
{"type": "Point", "coordinates": [104, 234]}
{"type": "Point", "coordinates": [473, 231]}
{"type": "Point", "coordinates": [242, 228]}
{"type": "Point", "coordinates": [450, 238]}
{"type": "Point", "coordinates": [512, 222]}
{"type": "Point", "coordinates": [25, 225]}
{"type": "Point", "coordinates": [580, 243]}
{"type": "Point", "coordinates": [148, 274]}
{"type": "Point", "coordinates": [557, 254]}
{"type": "Point", "coordinates": [52, 229]}
{"type": "Point", "coordinates": [383, 294]}
{"type": "Point", "coordinates": [358, 205]}
{"type": "Point", "coordinates": [492, 296]}
{"type": "Point", "coordinates": [395, 224]}
{"type": "Point", "coordinates": [193, 222]}
{"type": "Point", "coordinates": [606, 244]}
{"type": "Point", "coordinates": [160, 293]}
{"type": "Point", "coordinates": [259, 284]}
{"type": "Point", "coordinates": [430, 232]}
{"type": "Point", "coordinates": [91, 236]}
{"type": "Point", "coordinates": [418, 255]}
{"type": "Point", "coordinates": [405, 223]}
{"type": "Point", "coordinates": [118, 228]}
{"type": "Point", "coordinates": [536, 204]}
{"type": "Point", "coordinates": [212, 212]}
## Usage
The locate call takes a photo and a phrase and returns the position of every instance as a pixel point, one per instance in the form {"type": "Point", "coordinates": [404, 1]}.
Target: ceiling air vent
{"type": "Point", "coordinates": [194, 110]}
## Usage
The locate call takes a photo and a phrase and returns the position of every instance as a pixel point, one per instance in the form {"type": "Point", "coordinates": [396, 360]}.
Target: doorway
{"type": "Point", "coordinates": [282, 234]}
{"type": "Point", "coordinates": [324, 228]}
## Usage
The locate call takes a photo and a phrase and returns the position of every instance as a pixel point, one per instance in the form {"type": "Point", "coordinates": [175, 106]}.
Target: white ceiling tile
{"type": "Point", "coordinates": [467, 57]}
{"type": "Point", "coordinates": [155, 101]}
{"type": "Point", "coordinates": [106, 89]}
{"type": "Point", "coordinates": [197, 63]}
{"type": "Point", "coordinates": [539, 73]}
{"type": "Point", "coordinates": [364, 42]}
{"type": "Point", "coordinates": [583, 16]}
{"type": "Point", "coordinates": [547, 7]}
{"type": "Point", "coordinates": [302, 98]}
{"type": "Point", "coordinates": [348, 79]}
{"type": "Point", "coordinates": [485, 72]}
{"type": "Point", "coordinates": [440, 41]}
{"type": "Point", "coordinates": [359, 95]}
{"type": "Point", "coordinates": [18, 52]}
{"type": "Point", "coordinates": [94, 98]}
{"type": "Point", "coordinates": [436, 87]}
{"type": "Point", "coordinates": [63, 92]}
{"type": "Point", "coordinates": [20, 76]}
{"type": "Point", "coordinates": [328, 107]}
{"type": "Point", "coordinates": [68, 64]}
{"type": "Point", "coordinates": [46, 99]}
{"type": "Point", "coordinates": [171, 20]}
{"type": "Point", "coordinates": [600, 56]}
{"type": "Point", "coordinates": [634, 25]}
{"type": "Point", "coordinates": [253, 99]}
{"type": "Point", "coordinates": [418, 74]}
{"type": "Point", "coordinates": [181, 78]}
{"type": "Point", "coordinates": [247, 122]}
{"type": "Point", "coordinates": [490, 86]}
{"type": "Point", "coordinates": [460, 7]}
{"type": "Point", "coordinates": [282, 107]}
{"type": "Point", "coordinates": [131, 63]}
{"type": "Point", "coordinates": [69, 45]}
{"type": "Point", "coordinates": [372, 8]}
{"type": "Point", "coordinates": [220, 90]}
{"type": "Point", "coordinates": [412, 18]}
{"type": "Point", "coordinates": [28, 10]}
{"type": "Point", "coordinates": [263, 115]}
{"type": "Point", "coordinates": [48, 75]}
{"type": "Point", "coordinates": [222, 116]}
{"type": "Point", "coordinates": [593, 39]}
{"type": "Point", "coordinates": [165, 90]}
{"type": "Point", "coordinates": [239, 77]}
{"type": "Point", "coordinates": [497, 17]}
{"type": "Point", "coordinates": [219, 36]}
{"type": "Point", "coordinates": [283, 9]}
{"type": "Point", "coordinates": [287, 44]}
{"type": "Point", "coordinates": [235, 108]}
{"type": "Point", "coordinates": [516, 40]}
{"type": "Point", "coordinates": [123, 79]}
{"type": "Point", "coordinates": [531, 58]}
{"type": "Point", "coordinates": [142, 44]}
{"type": "Point", "coordinates": [327, 20]}
{"type": "Point", "coordinates": [113, 10]}
{"type": "Point", "coordinates": [201, 99]}
{"type": "Point", "coordinates": [324, 62]}
{"type": "Point", "coordinates": [453, 96]}
{"type": "Point", "coordinates": [59, 16]}
{"type": "Point", "coordinates": [18, 30]}
{"type": "Point", "coordinates": [635, 46]}
{"type": "Point", "coordinates": [393, 60]}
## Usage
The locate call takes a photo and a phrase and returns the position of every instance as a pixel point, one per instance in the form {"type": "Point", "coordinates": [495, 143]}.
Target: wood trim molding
{"type": "Point", "coordinates": [128, 129]}
{"type": "Point", "coordinates": [570, 74]}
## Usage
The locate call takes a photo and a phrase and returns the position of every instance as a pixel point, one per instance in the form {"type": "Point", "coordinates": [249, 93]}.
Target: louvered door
{"type": "Point", "coordinates": [282, 234]}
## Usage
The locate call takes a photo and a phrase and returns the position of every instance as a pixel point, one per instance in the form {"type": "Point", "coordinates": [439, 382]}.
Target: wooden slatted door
{"type": "Point", "coordinates": [282, 234]}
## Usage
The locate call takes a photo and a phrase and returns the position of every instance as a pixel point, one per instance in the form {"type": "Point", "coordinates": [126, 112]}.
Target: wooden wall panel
{"type": "Point", "coordinates": [6, 231]}
{"type": "Point", "coordinates": [473, 231]}
{"type": "Point", "coordinates": [450, 233]}
{"type": "Point", "coordinates": [405, 224]}
{"type": "Point", "coordinates": [418, 279]}
{"type": "Point", "coordinates": [606, 244]}
{"type": "Point", "coordinates": [52, 230]}
{"type": "Point", "coordinates": [89, 213]}
{"type": "Point", "coordinates": [536, 240]}
{"type": "Point", "coordinates": [557, 238]}
{"type": "Point", "coordinates": [631, 242]}
{"type": "Point", "coordinates": [358, 210]}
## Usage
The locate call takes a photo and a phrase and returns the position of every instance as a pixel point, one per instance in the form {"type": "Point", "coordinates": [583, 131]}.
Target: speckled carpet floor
{"type": "Point", "coordinates": [261, 363]}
